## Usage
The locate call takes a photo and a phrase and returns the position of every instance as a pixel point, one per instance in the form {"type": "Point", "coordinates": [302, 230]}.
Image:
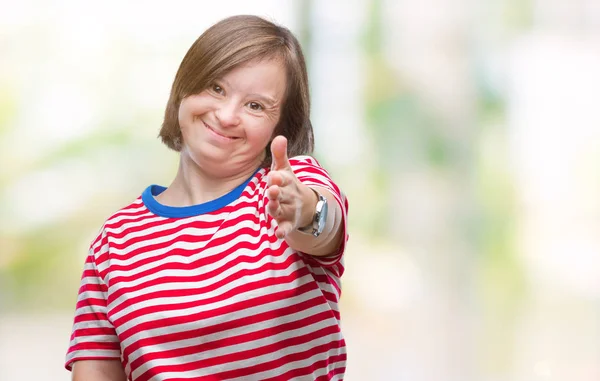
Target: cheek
{"type": "Point", "coordinates": [261, 135]}
{"type": "Point", "coordinates": [183, 115]}
{"type": "Point", "coordinates": [190, 106]}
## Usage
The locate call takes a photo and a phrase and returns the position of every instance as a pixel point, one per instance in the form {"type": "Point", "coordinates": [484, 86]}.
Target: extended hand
{"type": "Point", "coordinates": [291, 203]}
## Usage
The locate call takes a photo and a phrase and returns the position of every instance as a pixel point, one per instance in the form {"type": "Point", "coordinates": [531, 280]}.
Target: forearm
{"type": "Point", "coordinates": [331, 237]}
{"type": "Point", "coordinates": [98, 370]}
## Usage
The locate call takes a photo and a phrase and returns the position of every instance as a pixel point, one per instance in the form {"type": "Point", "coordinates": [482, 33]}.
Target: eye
{"type": "Point", "coordinates": [217, 89]}
{"type": "Point", "coordinates": [254, 106]}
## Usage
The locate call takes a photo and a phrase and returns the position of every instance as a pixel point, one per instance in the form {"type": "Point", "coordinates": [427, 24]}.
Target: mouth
{"type": "Point", "coordinates": [218, 134]}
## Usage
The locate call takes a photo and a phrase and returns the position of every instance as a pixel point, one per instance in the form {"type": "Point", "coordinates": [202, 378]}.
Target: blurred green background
{"type": "Point", "coordinates": [466, 136]}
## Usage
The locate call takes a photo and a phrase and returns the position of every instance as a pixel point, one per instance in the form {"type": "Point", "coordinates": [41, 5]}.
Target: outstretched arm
{"type": "Point", "coordinates": [292, 204]}
{"type": "Point", "coordinates": [98, 370]}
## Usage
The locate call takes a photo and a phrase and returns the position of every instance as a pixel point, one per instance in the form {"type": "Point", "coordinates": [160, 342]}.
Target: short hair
{"type": "Point", "coordinates": [232, 42]}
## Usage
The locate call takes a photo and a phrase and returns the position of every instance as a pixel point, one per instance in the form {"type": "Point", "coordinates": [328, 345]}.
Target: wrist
{"type": "Point", "coordinates": [309, 203]}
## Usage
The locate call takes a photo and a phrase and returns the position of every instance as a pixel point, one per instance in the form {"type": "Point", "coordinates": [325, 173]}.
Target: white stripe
{"type": "Point", "coordinates": [190, 259]}
{"type": "Point", "coordinates": [248, 312]}
{"type": "Point", "coordinates": [212, 306]}
{"type": "Point", "coordinates": [90, 295]}
{"type": "Point", "coordinates": [161, 228]}
{"type": "Point", "coordinates": [102, 249]}
{"type": "Point", "coordinates": [264, 245]}
{"type": "Point", "coordinates": [99, 246]}
{"type": "Point", "coordinates": [127, 215]}
{"type": "Point", "coordinates": [179, 233]}
{"type": "Point", "coordinates": [174, 224]}
{"type": "Point", "coordinates": [130, 213]}
{"type": "Point", "coordinates": [339, 376]}
{"type": "Point", "coordinates": [92, 324]}
{"type": "Point", "coordinates": [208, 219]}
{"type": "Point", "coordinates": [106, 353]}
{"type": "Point", "coordinates": [301, 364]}
{"type": "Point", "coordinates": [186, 285]}
{"type": "Point", "coordinates": [148, 218]}
{"type": "Point", "coordinates": [90, 279]}
{"type": "Point", "coordinates": [89, 310]}
{"type": "Point", "coordinates": [94, 339]}
{"type": "Point", "coordinates": [257, 360]}
{"type": "Point", "coordinates": [231, 333]}
{"type": "Point", "coordinates": [325, 286]}
{"type": "Point", "coordinates": [248, 215]}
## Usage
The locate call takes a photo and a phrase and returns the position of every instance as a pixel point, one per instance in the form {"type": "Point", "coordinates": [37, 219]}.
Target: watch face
{"type": "Point", "coordinates": [322, 217]}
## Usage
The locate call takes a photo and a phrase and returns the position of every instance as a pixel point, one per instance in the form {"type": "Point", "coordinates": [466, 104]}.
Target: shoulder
{"type": "Point", "coordinates": [132, 211]}
{"type": "Point", "coordinates": [308, 168]}
{"type": "Point", "coordinates": [307, 165]}
{"type": "Point", "coordinates": [304, 160]}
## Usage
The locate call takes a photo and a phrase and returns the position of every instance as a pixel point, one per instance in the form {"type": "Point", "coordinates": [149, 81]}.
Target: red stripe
{"type": "Point", "coordinates": [82, 332]}
{"type": "Point", "coordinates": [198, 238]}
{"type": "Point", "coordinates": [298, 372]}
{"type": "Point", "coordinates": [239, 306]}
{"type": "Point", "coordinates": [136, 219]}
{"type": "Point", "coordinates": [90, 346]}
{"type": "Point", "coordinates": [91, 302]}
{"type": "Point", "coordinates": [121, 290]}
{"type": "Point", "coordinates": [69, 364]}
{"type": "Point", "coordinates": [267, 349]}
{"type": "Point", "coordinates": [147, 296]}
{"type": "Point", "coordinates": [230, 341]}
{"type": "Point", "coordinates": [333, 372]}
{"type": "Point", "coordinates": [87, 317]}
{"type": "Point", "coordinates": [130, 210]}
{"type": "Point", "coordinates": [119, 232]}
{"type": "Point", "coordinates": [86, 287]}
{"type": "Point", "coordinates": [236, 323]}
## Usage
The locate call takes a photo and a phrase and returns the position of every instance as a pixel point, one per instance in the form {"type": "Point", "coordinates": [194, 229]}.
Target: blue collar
{"type": "Point", "coordinates": [193, 210]}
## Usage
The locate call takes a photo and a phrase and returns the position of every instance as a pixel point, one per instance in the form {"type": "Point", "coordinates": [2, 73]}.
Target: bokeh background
{"type": "Point", "coordinates": [466, 135]}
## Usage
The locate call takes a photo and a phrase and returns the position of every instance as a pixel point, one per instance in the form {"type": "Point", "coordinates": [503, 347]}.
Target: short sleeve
{"type": "Point", "coordinates": [310, 173]}
{"type": "Point", "coordinates": [93, 336]}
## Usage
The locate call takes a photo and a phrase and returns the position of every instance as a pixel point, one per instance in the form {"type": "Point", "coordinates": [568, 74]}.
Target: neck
{"type": "Point", "coordinates": [193, 185]}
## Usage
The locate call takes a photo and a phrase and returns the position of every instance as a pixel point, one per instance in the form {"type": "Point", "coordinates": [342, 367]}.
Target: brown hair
{"type": "Point", "coordinates": [234, 41]}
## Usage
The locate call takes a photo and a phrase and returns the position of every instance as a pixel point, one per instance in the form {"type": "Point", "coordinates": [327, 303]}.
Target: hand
{"type": "Point", "coordinates": [291, 203]}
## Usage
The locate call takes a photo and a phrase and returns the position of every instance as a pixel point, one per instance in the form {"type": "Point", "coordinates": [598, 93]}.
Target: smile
{"type": "Point", "coordinates": [219, 135]}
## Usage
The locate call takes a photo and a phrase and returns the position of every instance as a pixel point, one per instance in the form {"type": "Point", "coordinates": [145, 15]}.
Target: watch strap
{"type": "Point", "coordinates": [313, 227]}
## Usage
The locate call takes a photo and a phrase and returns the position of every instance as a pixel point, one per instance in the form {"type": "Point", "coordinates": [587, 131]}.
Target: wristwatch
{"type": "Point", "coordinates": [319, 218]}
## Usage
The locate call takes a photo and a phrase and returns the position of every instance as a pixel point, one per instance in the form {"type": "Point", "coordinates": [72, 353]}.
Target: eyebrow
{"type": "Point", "coordinates": [264, 98]}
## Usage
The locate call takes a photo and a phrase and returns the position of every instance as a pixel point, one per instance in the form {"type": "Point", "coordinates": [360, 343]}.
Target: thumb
{"type": "Point", "coordinates": [279, 153]}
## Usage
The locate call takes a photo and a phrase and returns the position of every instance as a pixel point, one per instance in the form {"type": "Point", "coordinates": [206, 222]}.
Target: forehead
{"type": "Point", "coordinates": [265, 76]}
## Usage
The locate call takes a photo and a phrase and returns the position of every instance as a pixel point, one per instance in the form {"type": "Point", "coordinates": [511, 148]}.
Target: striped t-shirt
{"type": "Point", "coordinates": [208, 292]}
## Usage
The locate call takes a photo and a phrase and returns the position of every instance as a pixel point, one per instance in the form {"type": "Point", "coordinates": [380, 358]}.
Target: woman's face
{"type": "Point", "coordinates": [226, 127]}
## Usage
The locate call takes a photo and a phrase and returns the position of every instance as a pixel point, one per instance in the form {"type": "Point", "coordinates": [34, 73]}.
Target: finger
{"type": "Point", "coordinates": [283, 229]}
{"type": "Point", "coordinates": [274, 208]}
{"type": "Point", "coordinates": [274, 192]}
{"type": "Point", "coordinates": [276, 178]}
{"type": "Point", "coordinates": [279, 153]}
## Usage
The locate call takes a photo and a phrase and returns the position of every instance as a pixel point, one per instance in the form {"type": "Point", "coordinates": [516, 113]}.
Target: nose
{"type": "Point", "coordinates": [228, 114]}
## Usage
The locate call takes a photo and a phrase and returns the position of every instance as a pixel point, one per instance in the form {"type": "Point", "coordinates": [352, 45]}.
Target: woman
{"type": "Point", "coordinates": [233, 271]}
